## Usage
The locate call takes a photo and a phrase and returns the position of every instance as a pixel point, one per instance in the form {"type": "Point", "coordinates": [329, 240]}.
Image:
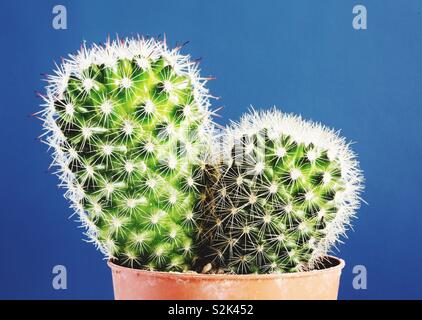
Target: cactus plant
{"type": "Point", "coordinates": [129, 123]}
{"type": "Point", "coordinates": [287, 191]}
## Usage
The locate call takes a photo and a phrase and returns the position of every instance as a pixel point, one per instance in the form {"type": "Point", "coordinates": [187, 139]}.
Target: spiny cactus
{"type": "Point", "coordinates": [288, 189]}
{"type": "Point", "coordinates": [129, 123]}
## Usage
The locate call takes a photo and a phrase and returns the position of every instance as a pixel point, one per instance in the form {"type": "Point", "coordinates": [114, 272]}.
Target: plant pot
{"type": "Point", "coordinates": [134, 284]}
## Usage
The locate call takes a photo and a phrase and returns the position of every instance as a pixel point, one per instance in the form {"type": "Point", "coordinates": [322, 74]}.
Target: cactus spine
{"type": "Point", "coordinates": [129, 123]}
{"type": "Point", "coordinates": [288, 189]}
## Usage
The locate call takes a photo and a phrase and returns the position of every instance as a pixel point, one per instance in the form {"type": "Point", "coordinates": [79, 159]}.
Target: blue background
{"type": "Point", "coordinates": [303, 56]}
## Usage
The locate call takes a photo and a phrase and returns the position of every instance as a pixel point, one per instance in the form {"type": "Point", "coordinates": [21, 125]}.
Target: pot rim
{"type": "Point", "coordinates": [339, 265]}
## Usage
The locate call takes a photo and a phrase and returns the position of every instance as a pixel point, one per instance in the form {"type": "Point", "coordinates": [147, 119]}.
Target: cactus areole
{"type": "Point", "coordinates": [129, 123]}
{"type": "Point", "coordinates": [287, 191]}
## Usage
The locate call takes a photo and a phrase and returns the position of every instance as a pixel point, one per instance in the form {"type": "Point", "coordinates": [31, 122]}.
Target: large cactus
{"type": "Point", "coordinates": [129, 124]}
{"type": "Point", "coordinates": [288, 189]}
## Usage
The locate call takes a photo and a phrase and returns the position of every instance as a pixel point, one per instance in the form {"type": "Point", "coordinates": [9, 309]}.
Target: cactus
{"type": "Point", "coordinates": [129, 124]}
{"type": "Point", "coordinates": [288, 189]}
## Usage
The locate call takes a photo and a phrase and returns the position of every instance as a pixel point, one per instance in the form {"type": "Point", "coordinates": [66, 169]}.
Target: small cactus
{"type": "Point", "coordinates": [287, 191]}
{"type": "Point", "coordinates": [129, 123]}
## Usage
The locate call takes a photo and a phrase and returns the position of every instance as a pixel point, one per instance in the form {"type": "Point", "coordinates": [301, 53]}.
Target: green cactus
{"type": "Point", "coordinates": [129, 123]}
{"type": "Point", "coordinates": [288, 189]}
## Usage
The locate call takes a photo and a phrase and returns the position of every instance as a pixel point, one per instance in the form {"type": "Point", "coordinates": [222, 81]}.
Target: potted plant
{"type": "Point", "coordinates": [286, 190]}
{"type": "Point", "coordinates": [130, 126]}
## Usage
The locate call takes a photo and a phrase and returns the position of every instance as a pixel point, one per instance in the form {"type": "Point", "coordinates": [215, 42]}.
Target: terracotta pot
{"type": "Point", "coordinates": [134, 284]}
